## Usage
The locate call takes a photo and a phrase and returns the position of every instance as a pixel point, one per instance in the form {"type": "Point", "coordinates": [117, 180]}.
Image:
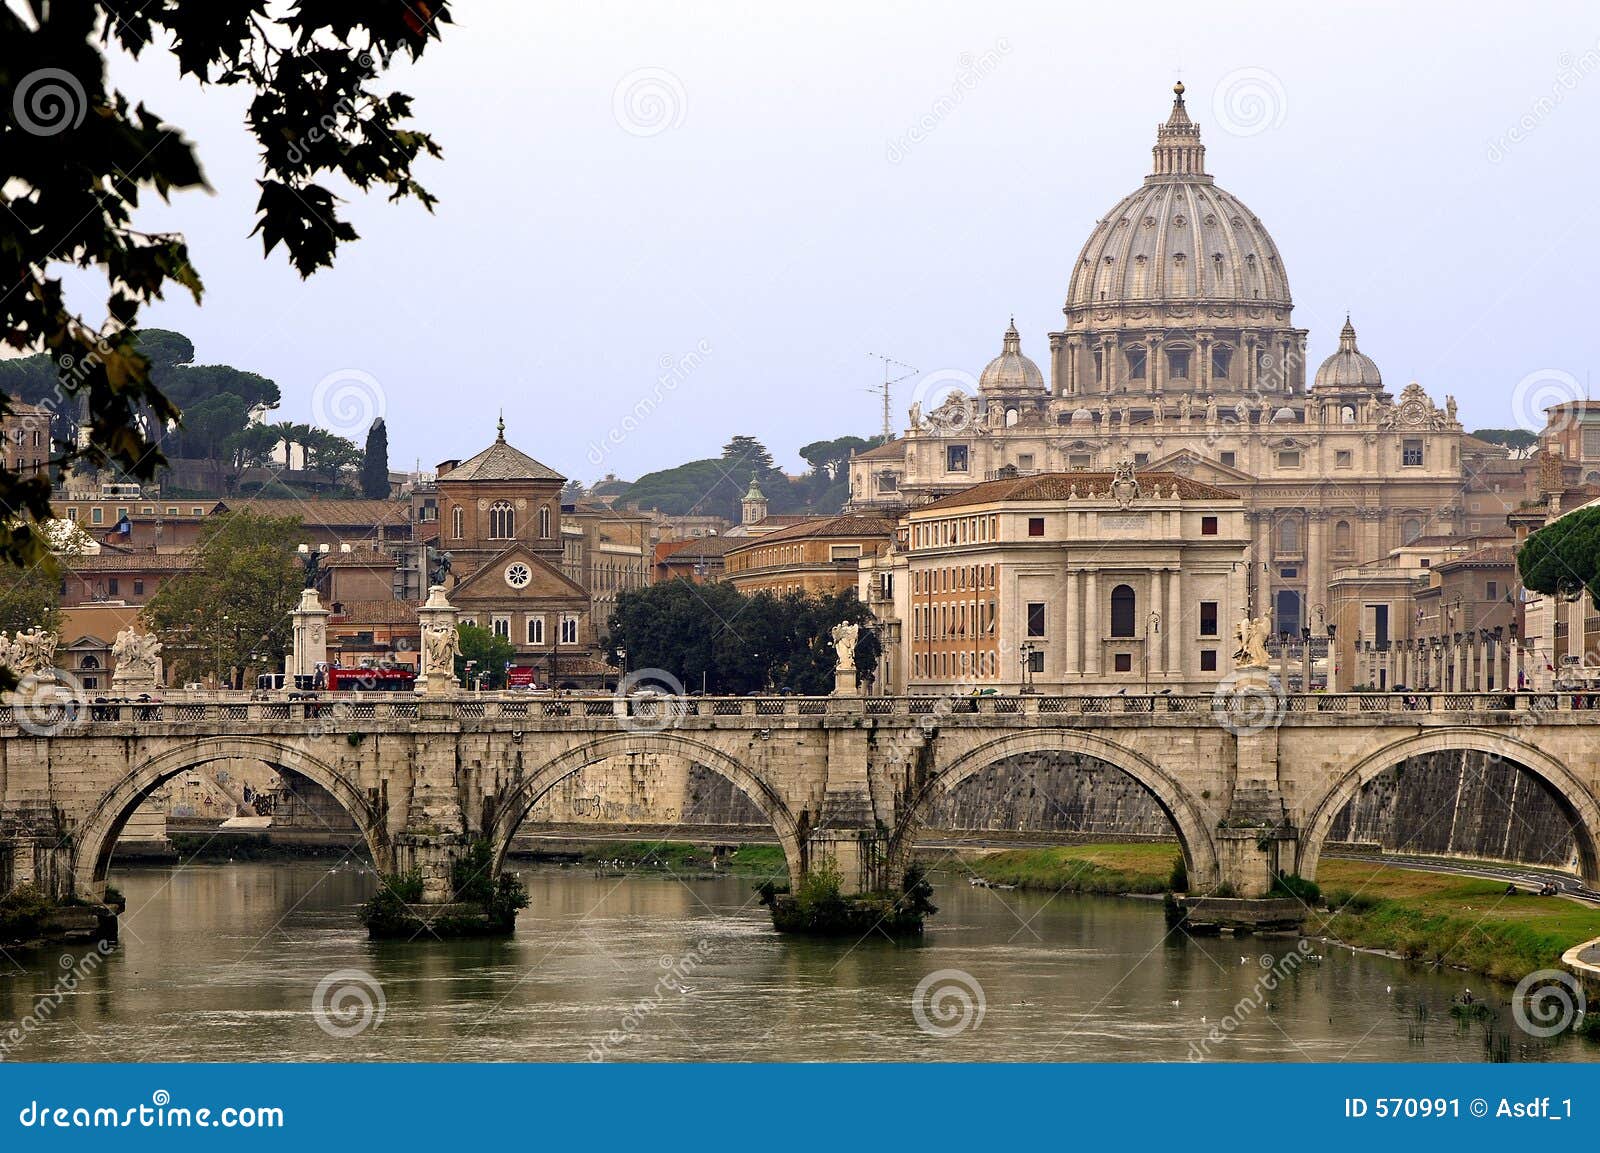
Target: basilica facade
{"type": "Point", "coordinates": [1179, 353]}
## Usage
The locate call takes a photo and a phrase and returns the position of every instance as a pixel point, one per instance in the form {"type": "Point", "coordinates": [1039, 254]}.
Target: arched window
{"type": "Point", "coordinates": [1410, 530]}
{"type": "Point", "coordinates": [502, 520]}
{"type": "Point", "coordinates": [1289, 535]}
{"type": "Point", "coordinates": [1122, 611]}
{"type": "Point", "coordinates": [458, 522]}
{"type": "Point", "coordinates": [1342, 537]}
{"type": "Point", "coordinates": [544, 522]}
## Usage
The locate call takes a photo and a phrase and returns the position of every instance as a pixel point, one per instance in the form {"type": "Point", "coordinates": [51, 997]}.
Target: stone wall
{"type": "Point", "coordinates": [1050, 793]}
{"type": "Point", "coordinates": [1460, 803]}
{"type": "Point", "coordinates": [647, 789]}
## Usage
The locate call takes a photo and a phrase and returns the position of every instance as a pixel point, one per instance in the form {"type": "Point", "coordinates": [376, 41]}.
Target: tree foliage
{"type": "Point", "coordinates": [489, 653]}
{"type": "Point", "coordinates": [1519, 440]}
{"type": "Point", "coordinates": [715, 487]}
{"type": "Point", "coordinates": [77, 156]}
{"type": "Point", "coordinates": [375, 462]}
{"type": "Point", "coordinates": [714, 635]}
{"type": "Point", "coordinates": [1563, 558]}
{"type": "Point", "coordinates": [231, 611]}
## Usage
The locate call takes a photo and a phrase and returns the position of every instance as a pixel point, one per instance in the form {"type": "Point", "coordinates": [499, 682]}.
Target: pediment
{"type": "Point", "coordinates": [1186, 462]}
{"type": "Point", "coordinates": [489, 582]}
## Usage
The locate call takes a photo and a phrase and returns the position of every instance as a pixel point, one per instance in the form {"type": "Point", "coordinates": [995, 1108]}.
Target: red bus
{"type": "Point", "coordinates": [394, 679]}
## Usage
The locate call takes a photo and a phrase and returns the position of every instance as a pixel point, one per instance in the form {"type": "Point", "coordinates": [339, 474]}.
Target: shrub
{"type": "Point", "coordinates": [1296, 886]}
{"type": "Point", "coordinates": [22, 913]}
{"type": "Point", "coordinates": [1178, 880]}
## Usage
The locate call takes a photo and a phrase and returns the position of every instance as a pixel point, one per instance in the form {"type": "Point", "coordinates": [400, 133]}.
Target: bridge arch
{"type": "Point", "coordinates": [512, 809]}
{"type": "Point", "coordinates": [1187, 817]}
{"type": "Point", "coordinates": [1575, 798]}
{"type": "Point", "coordinates": [94, 839]}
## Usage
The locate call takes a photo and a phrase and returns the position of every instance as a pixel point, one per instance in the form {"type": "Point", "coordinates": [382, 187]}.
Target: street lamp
{"type": "Point", "coordinates": [1025, 655]}
{"type": "Point", "coordinates": [1152, 624]}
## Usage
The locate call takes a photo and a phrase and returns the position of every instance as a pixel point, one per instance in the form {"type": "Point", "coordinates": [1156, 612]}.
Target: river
{"type": "Point", "coordinates": [222, 962]}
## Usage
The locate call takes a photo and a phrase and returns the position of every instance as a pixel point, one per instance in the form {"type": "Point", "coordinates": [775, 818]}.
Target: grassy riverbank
{"type": "Point", "coordinates": [1101, 869]}
{"type": "Point", "coordinates": [1440, 918]}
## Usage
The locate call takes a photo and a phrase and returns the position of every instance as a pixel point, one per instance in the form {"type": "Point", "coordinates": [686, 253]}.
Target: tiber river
{"type": "Point", "coordinates": [224, 962]}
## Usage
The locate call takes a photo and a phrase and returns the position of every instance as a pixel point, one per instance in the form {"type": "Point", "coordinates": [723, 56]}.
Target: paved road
{"type": "Point", "coordinates": [1525, 876]}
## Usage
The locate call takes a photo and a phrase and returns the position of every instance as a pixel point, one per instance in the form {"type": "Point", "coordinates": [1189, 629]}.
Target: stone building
{"type": "Point", "coordinates": [500, 522]}
{"type": "Point", "coordinates": [814, 557]}
{"type": "Point", "coordinates": [606, 550]}
{"type": "Point", "coordinates": [1086, 582]}
{"type": "Point", "coordinates": [1179, 352]}
{"type": "Point", "coordinates": [25, 438]}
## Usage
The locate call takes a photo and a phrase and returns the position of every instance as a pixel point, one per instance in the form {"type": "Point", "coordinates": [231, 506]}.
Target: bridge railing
{"type": "Point", "coordinates": [225, 709]}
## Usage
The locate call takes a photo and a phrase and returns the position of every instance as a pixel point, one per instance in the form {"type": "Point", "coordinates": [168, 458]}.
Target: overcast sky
{"type": "Point", "coordinates": [767, 194]}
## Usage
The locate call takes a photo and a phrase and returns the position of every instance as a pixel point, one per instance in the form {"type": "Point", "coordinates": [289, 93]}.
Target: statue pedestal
{"type": "Point", "coordinates": [844, 683]}
{"type": "Point", "coordinates": [143, 679]}
{"type": "Point", "coordinates": [310, 642]}
{"type": "Point", "coordinates": [437, 619]}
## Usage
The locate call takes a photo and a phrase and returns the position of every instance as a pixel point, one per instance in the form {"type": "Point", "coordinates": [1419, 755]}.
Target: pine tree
{"type": "Point", "coordinates": [375, 463]}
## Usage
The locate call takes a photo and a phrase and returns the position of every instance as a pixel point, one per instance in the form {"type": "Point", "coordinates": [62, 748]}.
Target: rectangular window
{"type": "Point", "coordinates": [1208, 660]}
{"type": "Point", "coordinates": [112, 586]}
{"type": "Point", "coordinates": [1342, 458]}
{"type": "Point", "coordinates": [1078, 460]}
{"type": "Point", "coordinates": [1036, 661]}
{"type": "Point", "coordinates": [501, 627]}
{"type": "Point", "coordinates": [1411, 452]}
{"type": "Point", "coordinates": [1035, 619]}
{"type": "Point", "coordinates": [1122, 662]}
{"type": "Point", "coordinates": [1036, 526]}
{"type": "Point", "coordinates": [1208, 526]}
{"type": "Point", "coordinates": [1141, 459]}
{"type": "Point", "coordinates": [888, 481]}
{"type": "Point", "coordinates": [1228, 459]}
{"type": "Point", "coordinates": [172, 510]}
{"type": "Point", "coordinates": [1178, 364]}
{"type": "Point", "coordinates": [1289, 458]}
{"type": "Point", "coordinates": [72, 514]}
{"type": "Point", "coordinates": [1025, 462]}
{"type": "Point", "coordinates": [1221, 356]}
{"type": "Point", "coordinates": [1135, 364]}
{"type": "Point", "coordinates": [197, 511]}
{"type": "Point", "coordinates": [1491, 591]}
{"type": "Point", "coordinates": [138, 588]}
{"type": "Point", "coordinates": [97, 515]}
{"type": "Point", "coordinates": [1208, 618]}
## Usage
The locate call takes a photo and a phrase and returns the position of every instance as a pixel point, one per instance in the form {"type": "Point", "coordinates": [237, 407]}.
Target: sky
{"type": "Point", "coordinates": [663, 224]}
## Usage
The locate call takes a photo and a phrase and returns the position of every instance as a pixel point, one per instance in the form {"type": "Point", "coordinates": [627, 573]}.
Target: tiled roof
{"type": "Point", "coordinates": [892, 450]}
{"type": "Point", "coordinates": [330, 513]}
{"type": "Point", "coordinates": [831, 526]}
{"type": "Point", "coordinates": [380, 612]}
{"type": "Point", "coordinates": [1491, 555]}
{"type": "Point", "coordinates": [1060, 485]}
{"type": "Point", "coordinates": [703, 546]}
{"type": "Point", "coordinates": [502, 462]}
{"type": "Point", "coordinates": [128, 562]}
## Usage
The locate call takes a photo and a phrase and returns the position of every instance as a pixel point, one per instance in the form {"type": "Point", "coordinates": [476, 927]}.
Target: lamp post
{"type": "Point", "coordinates": [1025, 655]}
{"type": "Point", "coordinates": [1152, 625]}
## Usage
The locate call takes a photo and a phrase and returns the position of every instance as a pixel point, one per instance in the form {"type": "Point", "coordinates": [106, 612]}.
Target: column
{"type": "Point", "coordinates": [1155, 365]}
{"type": "Point", "coordinates": [1316, 567]}
{"type": "Point", "coordinates": [1071, 664]}
{"type": "Point", "coordinates": [1174, 623]}
{"type": "Point", "coordinates": [1092, 619]}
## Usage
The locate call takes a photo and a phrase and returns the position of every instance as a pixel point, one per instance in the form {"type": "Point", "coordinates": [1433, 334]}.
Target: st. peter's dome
{"type": "Point", "coordinates": [1178, 237]}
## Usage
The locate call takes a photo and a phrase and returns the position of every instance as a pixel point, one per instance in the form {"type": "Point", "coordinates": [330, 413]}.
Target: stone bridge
{"type": "Point", "coordinates": [1249, 790]}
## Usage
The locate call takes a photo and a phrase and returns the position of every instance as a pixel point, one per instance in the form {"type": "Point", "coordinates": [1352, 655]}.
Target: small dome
{"type": "Point", "coordinates": [1284, 415]}
{"type": "Point", "coordinates": [1011, 372]}
{"type": "Point", "coordinates": [1349, 367]}
{"type": "Point", "coordinates": [1082, 416]}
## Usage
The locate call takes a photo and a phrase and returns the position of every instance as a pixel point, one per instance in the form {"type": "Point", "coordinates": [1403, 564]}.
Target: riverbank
{"type": "Point", "coordinates": [1446, 919]}
{"type": "Point", "coordinates": [1097, 869]}
{"type": "Point", "coordinates": [681, 856]}
{"type": "Point", "coordinates": [1440, 919]}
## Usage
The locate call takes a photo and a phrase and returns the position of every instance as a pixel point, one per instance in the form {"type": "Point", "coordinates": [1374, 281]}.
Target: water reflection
{"type": "Point", "coordinates": [220, 962]}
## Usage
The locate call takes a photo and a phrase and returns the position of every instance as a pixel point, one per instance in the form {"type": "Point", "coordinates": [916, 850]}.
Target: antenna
{"type": "Point", "coordinates": [889, 381]}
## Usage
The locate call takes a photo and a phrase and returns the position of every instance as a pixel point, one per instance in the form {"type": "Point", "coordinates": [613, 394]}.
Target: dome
{"type": "Point", "coordinates": [1179, 237]}
{"type": "Point", "coordinates": [1284, 415]}
{"type": "Point", "coordinates": [1349, 367]}
{"type": "Point", "coordinates": [1011, 372]}
{"type": "Point", "coordinates": [1082, 416]}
